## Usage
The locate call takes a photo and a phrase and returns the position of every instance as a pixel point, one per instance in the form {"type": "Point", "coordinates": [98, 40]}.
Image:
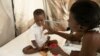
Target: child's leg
{"type": "Point", "coordinates": [29, 50]}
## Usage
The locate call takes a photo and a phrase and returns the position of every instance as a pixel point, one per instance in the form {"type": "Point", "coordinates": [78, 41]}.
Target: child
{"type": "Point", "coordinates": [38, 29]}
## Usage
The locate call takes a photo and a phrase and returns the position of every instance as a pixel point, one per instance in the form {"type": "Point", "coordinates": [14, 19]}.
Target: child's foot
{"type": "Point", "coordinates": [29, 50]}
{"type": "Point", "coordinates": [43, 53]}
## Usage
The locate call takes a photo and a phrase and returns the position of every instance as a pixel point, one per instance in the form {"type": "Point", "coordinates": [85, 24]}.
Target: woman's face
{"type": "Point", "coordinates": [73, 24]}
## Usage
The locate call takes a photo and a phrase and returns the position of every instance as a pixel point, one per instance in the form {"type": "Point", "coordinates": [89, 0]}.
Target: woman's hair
{"type": "Point", "coordinates": [86, 13]}
{"type": "Point", "coordinates": [38, 12]}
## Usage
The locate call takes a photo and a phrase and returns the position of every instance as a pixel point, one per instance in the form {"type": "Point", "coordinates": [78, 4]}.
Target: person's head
{"type": "Point", "coordinates": [84, 16]}
{"type": "Point", "coordinates": [39, 16]}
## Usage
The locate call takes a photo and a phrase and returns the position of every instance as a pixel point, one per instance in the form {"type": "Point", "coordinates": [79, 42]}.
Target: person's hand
{"type": "Point", "coordinates": [47, 27]}
{"type": "Point", "coordinates": [55, 50]}
{"type": "Point", "coordinates": [49, 32]}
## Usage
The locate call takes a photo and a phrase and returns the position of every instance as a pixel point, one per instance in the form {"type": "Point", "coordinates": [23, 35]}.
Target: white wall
{"type": "Point", "coordinates": [7, 31]}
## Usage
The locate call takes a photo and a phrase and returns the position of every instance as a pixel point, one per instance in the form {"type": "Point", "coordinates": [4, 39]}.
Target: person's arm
{"type": "Point", "coordinates": [33, 39]}
{"type": "Point", "coordinates": [71, 37]}
{"type": "Point", "coordinates": [35, 44]}
{"type": "Point", "coordinates": [64, 35]}
{"type": "Point", "coordinates": [89, 45]}
{"type": "Point", "coordinates": [58, 50]}
{"type": "Point", "coordinates": [75, 37]}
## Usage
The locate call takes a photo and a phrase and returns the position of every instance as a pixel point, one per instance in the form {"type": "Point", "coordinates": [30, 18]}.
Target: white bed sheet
{"type": "Point", "coordinates": [14, 47]}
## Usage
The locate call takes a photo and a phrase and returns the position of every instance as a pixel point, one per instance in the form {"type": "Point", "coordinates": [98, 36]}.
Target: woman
{"type": "Point", "coordinates": [85, 18]}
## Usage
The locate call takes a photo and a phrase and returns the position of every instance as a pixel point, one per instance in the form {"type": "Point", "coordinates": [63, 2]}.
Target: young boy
{"type": "Point", "coordinates": [38, 29]}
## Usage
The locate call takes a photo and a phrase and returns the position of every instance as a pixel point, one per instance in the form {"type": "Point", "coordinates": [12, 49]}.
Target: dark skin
{"type": "Point", "coordinates": [39, 20]}
{"type": "Point", "coordinates": [90, 41]}
{"type": "Point", "coordinates": [71, 37]}
{"type": "Point", "coordinates": [30, 50]}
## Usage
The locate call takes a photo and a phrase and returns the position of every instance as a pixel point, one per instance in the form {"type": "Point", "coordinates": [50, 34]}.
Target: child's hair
{"type": "Point", "coordinates": [38, 12]}
{"type": "Point", "coordinates": [86, 13]}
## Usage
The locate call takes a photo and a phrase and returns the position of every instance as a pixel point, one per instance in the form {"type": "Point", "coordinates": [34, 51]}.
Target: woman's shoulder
{"type": "Point", "coordinates": [92, 37]}
{"type": "Point", "coordinates": [92, 34]}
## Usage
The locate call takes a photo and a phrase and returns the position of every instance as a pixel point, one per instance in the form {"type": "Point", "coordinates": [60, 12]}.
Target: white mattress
{"type": "Point", "coordinates": [14, 47]}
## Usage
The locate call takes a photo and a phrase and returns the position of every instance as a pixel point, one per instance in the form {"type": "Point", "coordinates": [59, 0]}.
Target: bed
{"type": "Point", "coordinates": [14, 47]}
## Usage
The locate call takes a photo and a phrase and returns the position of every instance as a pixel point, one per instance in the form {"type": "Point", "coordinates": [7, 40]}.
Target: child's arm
{"type": "Point", "coordinates": [35, 44]}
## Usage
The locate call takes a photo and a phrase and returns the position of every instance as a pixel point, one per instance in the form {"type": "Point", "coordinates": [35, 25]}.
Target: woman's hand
{"type": "Point", "coordinates": [50, 30]}
{"type": "Point", "coordinates": [57, 50]}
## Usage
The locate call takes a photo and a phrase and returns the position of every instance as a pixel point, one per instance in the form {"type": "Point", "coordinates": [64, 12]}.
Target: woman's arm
{"type": "Point", "coordinates": [58, 50]}
{"type": "Point", "coordinates": [71, 37]}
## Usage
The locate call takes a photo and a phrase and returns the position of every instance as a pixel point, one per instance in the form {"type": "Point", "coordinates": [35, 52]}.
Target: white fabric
{"type": "Point", "coordinates": [24, 12]}
{"type": "Point", "coordinates": [7, 30]}
{"type": "Point", "coordinates": [57, 11]}
{"type": "Point", "coordinates": [14, 47]}
{"type": "Point", "coordinates": [96, 29]}
{"type": "Point", "coordinates": [39, 34]}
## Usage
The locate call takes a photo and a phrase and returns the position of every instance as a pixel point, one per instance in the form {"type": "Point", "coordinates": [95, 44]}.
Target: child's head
{"type": "Point", "coordinates": [39, 17]}
{"type": "Point", "coordinates": [84, 15]}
